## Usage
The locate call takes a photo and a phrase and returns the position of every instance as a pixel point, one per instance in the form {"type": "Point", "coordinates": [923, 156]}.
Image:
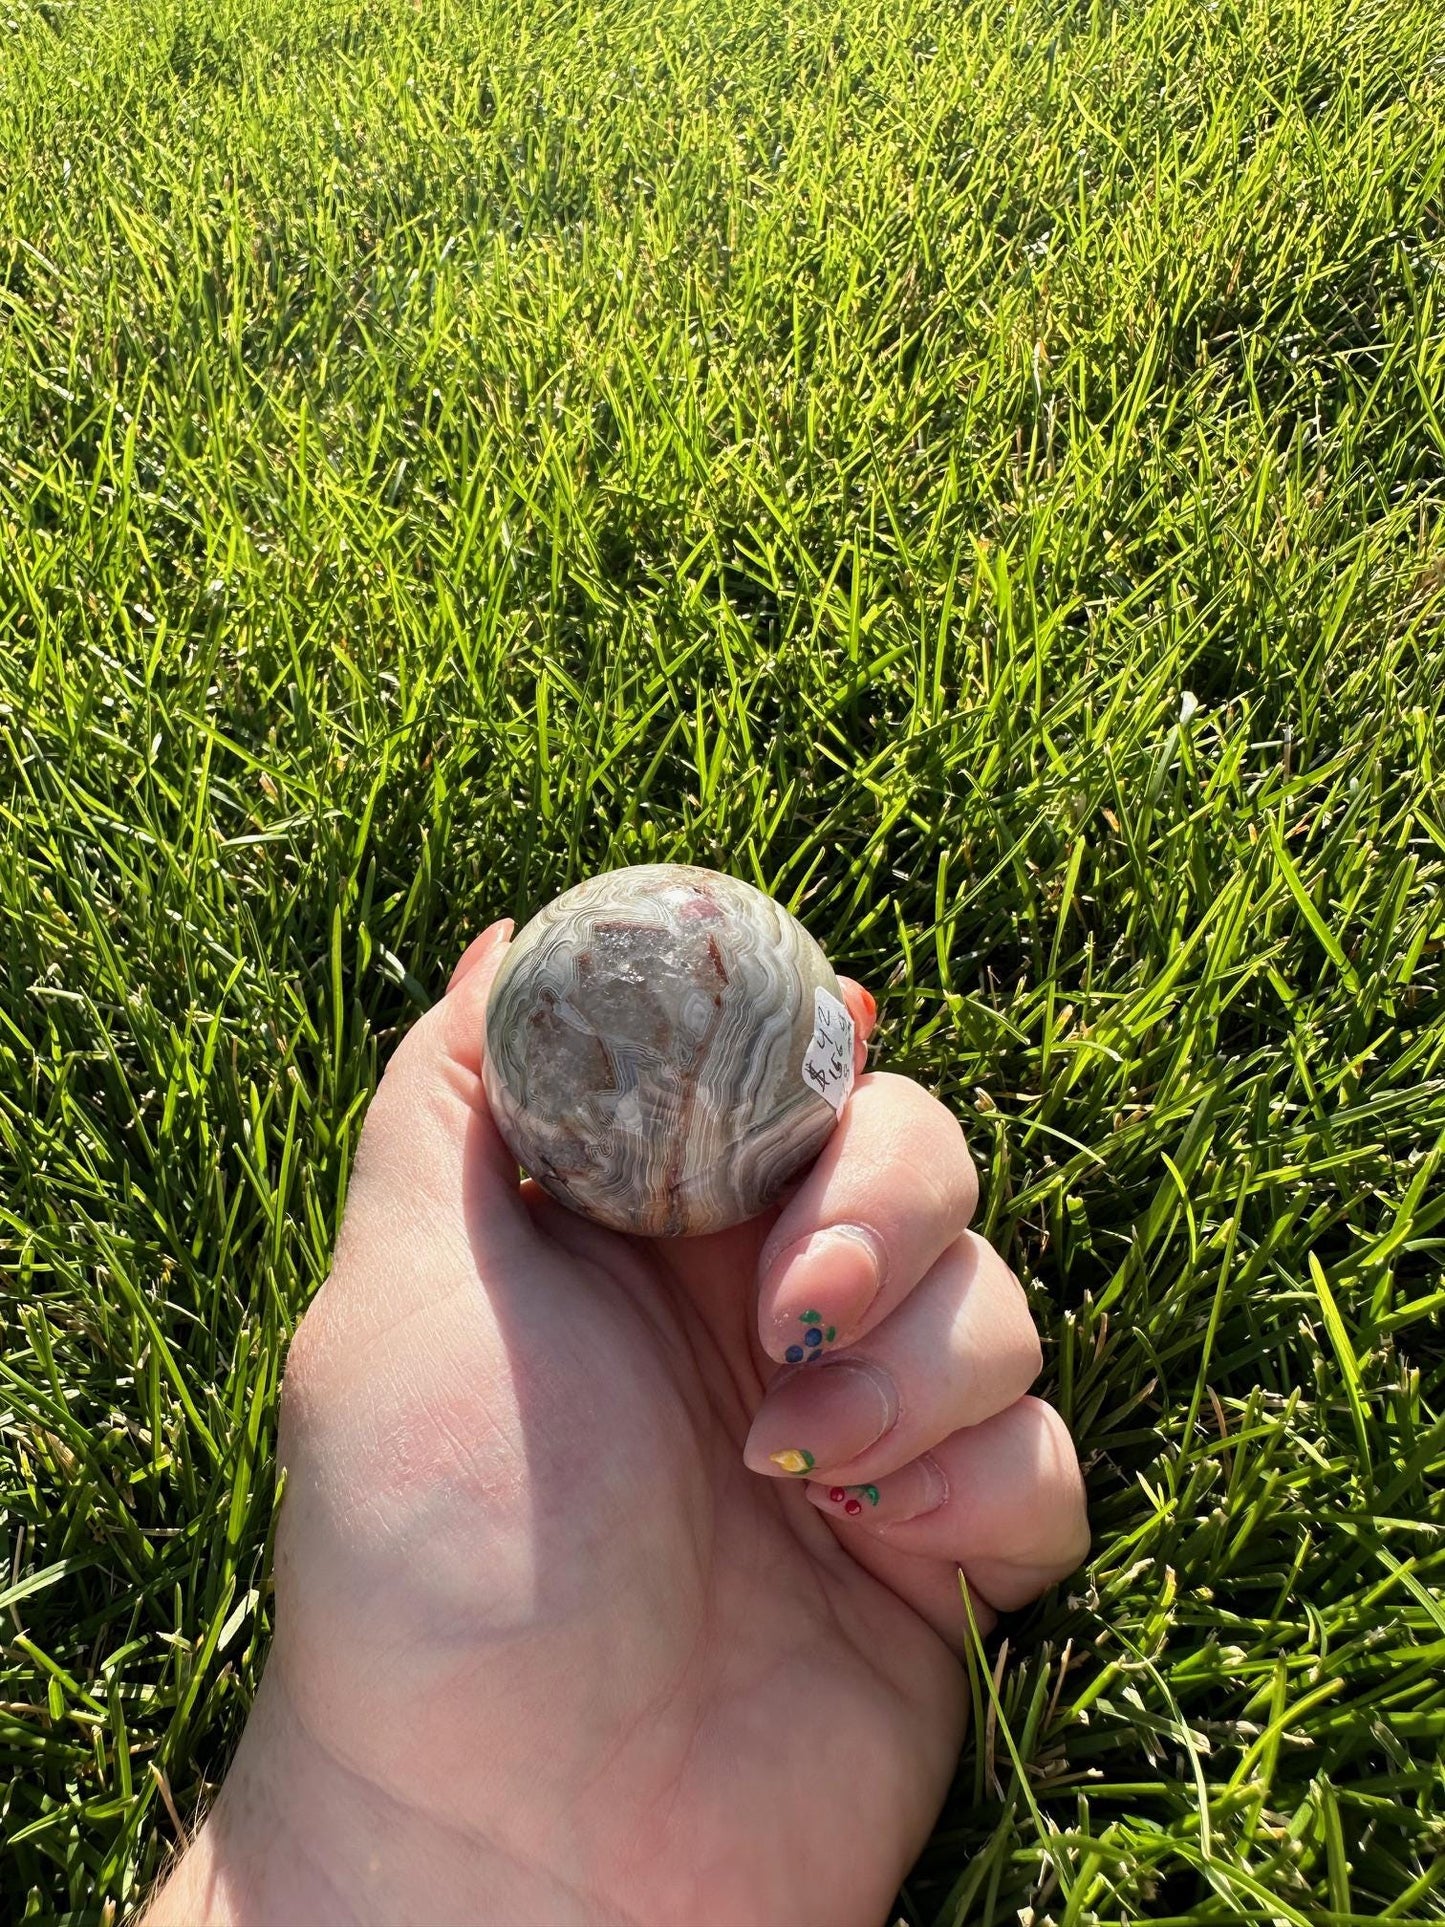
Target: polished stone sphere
{"type": "Point", "coordinates": [665, 1047]}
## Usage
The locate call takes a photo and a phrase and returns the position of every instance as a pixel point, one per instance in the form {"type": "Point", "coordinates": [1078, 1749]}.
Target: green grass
{"type": "Point", "coordinates": [975, 470]}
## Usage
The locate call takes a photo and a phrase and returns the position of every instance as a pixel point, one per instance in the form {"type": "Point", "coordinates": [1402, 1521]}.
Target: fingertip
{"type": "Point", "coordinates": [862, 1008]}
{"type": "Point", "coordinates": [479, 949]}
{"type": "Point", "coordinates": [431, 1149]}
{"type": "Point", "coordinates": [899, 1498]}
{"type": "Point", "coordinates": [452, 1029]}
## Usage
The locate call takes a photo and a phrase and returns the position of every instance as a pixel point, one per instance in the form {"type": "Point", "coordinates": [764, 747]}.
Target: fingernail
{"type": "Point", "coordinates": [506, 926]}
{"type": "Point", "coordinates": [906, 1494]}
{"type": "Point", "coordinates": [870, 1005]}
{"type": "Point", "coordinates": [821, 1288]}
{"type": "Point", "coordinates": [821, 1418]}
{"type": "Point", "coordinates": [851, 1497]}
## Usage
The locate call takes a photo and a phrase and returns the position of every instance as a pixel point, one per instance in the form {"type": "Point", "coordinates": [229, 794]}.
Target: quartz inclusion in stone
{"type": "Point", "coordinates": [665, 1047]}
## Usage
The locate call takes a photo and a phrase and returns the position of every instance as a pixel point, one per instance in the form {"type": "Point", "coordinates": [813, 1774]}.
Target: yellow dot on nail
{"type": "Point", "coordinates": [792, 1461]}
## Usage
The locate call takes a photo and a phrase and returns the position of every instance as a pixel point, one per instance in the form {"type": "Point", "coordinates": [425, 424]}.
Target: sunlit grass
{"type": "Point", "coordinates": [976, 471]}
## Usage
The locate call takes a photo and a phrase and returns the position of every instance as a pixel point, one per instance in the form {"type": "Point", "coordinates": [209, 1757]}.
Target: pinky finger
{"type": "Point", "coordinates": [932, 1587]}
{"type": "Point", "coordinates": [1004, 1500]}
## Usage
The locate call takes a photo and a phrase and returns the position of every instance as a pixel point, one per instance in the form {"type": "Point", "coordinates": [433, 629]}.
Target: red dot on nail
{"type": "Point", "coordinates": [853, 1508]}
{"type": "Point", "coordinates": [837, 1494]}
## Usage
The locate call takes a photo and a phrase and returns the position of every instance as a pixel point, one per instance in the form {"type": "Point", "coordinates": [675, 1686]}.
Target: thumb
{"type": "Point", "coordinates": [431, 1158]}
{"type": "Point", "coordinates": [489, 949]}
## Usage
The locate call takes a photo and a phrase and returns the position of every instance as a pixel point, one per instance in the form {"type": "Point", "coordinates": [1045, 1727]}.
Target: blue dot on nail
{"type": "Point", "coordinates": [793, 1354]}
{"type": "Point", "coordinates": [813, 1357]}
{"type": "Point", "coordinates": [813, 1339]}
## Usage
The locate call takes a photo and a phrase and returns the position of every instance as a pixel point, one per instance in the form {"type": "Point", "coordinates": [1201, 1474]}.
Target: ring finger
{"type": "Point", "coordinates": [1004, 1501]}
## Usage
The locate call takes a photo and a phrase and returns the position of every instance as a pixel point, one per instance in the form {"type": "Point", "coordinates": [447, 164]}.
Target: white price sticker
{"type": "Point", "coordinates": [828, 1062]}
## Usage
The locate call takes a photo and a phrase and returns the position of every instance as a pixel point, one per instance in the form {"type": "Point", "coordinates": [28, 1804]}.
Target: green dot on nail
{"type": "Point", "coordinates": [870, 1493]}
{"type": "Point", "coordinates": [810, 1318]}
{"type": "Point", "coordinates": [831, 1333]}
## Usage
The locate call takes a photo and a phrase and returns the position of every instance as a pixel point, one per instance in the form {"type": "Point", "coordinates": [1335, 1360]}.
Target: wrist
{"type": "Point", "coordinates": [295, 1839]}
{"type": "Point", "coordinates": [274, 1848]}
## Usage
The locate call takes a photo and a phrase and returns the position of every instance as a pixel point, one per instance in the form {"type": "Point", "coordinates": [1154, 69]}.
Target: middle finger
{"type": "Point", "coordinates": [960, 1348]}
{"type": "Point", "coordinates": [892, 1189]}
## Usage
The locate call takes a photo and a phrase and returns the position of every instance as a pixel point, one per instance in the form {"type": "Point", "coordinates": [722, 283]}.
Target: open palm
{"type": "Point", "coordinates": [593, 1608]}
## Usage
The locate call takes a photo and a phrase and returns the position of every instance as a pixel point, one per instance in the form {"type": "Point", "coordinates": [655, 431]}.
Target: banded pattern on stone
{"type": "Point", "coordinates": [665, 1047]}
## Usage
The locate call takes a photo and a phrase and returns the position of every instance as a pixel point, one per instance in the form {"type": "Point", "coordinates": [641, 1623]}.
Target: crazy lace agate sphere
{"type": "Point", "coordinates": [665, 1048]}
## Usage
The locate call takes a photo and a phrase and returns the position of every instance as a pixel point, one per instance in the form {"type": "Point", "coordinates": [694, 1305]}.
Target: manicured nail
{"type": "Point", "coordinates": [851, 1497]}
{"type": "Point", "coordinates": [906, 1494]}
{"type": "Point", "coordinates": [840, 1411]}
{"type": "Point", "coordinates": [870, 1005]}
{"type": "Point", "coordinates": [820, 1289]}
{"type": "Point", "coordinates": [814, 1334]}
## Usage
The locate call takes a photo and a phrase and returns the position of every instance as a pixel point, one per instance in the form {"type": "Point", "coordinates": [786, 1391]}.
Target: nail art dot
{"type": "Point", "coordinates": [852, 1508]}
{"type": "Point", "coordinates": [813, 1357]}
{"type": "Point", "coordinates": [837, 1494]}
{"type": "Point", "coordinates": [870, 1493]}
{"type": "Point", "coordinates": [831, 1333]}
{"type": "Point", "coordinates": [810, 1318]}
{"type": "Point", "coordinates": [794, 1354]}
{"type": "Point", "coordinates": [813, 1339]}
{"type": "Point", "coordinates": [793, 1460]}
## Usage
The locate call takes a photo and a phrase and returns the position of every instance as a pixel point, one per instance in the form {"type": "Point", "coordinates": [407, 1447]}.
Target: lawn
{"type": "Point", "coordinates": [976, 471]}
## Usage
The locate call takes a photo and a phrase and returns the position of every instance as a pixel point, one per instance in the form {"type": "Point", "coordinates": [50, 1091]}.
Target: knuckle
{"type": "Point", "coordinates": [1080, 1543]}
{"type": "Point", "coordinates": [1055, 1436]}
{"type": "Point", "coordinates": [1017, 1330]}
{"type": "Point", "coordinates": [1031, 1345]}
{"type": "Point", "coordinates": [1061, 1457]}
{"type": "Point", "coordinates": [1014, 1294]}
{"type": "Point", "coordinates": [1032, 1349]}
{"type": "Point", "coordinates": [1057, 1537]}
{"type": "Point", "coordinates": [929, 1140]}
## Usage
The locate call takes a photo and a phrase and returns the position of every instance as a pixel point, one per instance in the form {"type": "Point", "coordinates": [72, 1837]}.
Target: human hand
{"type": "Point", "coordinates": [560, 1637]}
